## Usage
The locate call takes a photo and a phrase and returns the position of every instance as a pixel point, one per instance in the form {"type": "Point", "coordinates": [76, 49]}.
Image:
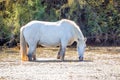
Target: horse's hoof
{"type": "Point", "coordinates": [80, 58]}
{"type": "Point", "coordinates": [29, 58]}
{"type": "Point", "coordinates": [24, 58]}
{"type": "Point", "coordinates": [34, 59]}
{"type": "Point", "coordinates": [58, 57]}
{"type": "Point", "coordinates": [62, 59]}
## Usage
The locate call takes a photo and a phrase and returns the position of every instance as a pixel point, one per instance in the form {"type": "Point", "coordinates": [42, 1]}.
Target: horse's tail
{"type": "Point", "coordinates": [23, 46]}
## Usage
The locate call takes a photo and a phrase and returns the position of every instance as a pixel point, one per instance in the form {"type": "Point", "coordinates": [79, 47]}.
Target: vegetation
{"type": "Point", "coordinates": [98, 19]}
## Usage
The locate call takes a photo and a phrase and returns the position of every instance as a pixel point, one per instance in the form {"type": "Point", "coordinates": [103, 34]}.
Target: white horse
{"type": "Point", "coordinates": [60, 33]}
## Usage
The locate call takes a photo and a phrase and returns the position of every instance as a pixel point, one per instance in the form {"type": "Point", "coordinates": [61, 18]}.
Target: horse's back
{"type": "Point", "coordinates": [45, 33]}
{"type": "Point", "coordinates": [49, 33]}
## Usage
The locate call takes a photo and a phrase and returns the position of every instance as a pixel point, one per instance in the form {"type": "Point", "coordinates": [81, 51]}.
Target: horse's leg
{"type": "Point", "coordinates": [58, 56]}
{"type": "Point", "coordinates": [34, 56]}
{"type": "Point", "coordinates": [64, 43]}
{"type": "Point", "coordinates": [62, 53]}
{"type": "Point", "coordinates": [31, 55]}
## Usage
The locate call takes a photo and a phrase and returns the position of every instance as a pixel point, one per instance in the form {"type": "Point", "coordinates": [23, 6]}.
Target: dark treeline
{"type": "Point", "coordinates": [99, 20]}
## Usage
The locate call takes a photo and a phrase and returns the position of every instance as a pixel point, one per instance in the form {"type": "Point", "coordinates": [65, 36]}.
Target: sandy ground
{"type": "Point", "coordinates": [100, 63]}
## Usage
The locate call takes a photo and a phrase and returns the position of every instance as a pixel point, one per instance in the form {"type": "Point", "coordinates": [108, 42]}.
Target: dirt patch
{"type": "Point", "coordinates": [100, 63]}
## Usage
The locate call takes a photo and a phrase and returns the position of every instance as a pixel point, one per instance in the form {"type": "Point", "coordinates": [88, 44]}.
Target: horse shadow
{"type": "Point", "coordinates": [57, 60]}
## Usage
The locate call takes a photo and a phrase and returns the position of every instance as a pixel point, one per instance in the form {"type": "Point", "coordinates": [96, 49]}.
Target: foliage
{"type": "Point", "coordinates": [97, 18]}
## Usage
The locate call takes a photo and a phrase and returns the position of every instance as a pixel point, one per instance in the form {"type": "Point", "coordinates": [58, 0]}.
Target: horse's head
{"type": "Point", "coordinates": [81, 45]}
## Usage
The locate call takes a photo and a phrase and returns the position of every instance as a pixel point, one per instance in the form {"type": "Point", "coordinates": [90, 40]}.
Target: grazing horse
{"type": "Point", "coordinates": [60, 33]}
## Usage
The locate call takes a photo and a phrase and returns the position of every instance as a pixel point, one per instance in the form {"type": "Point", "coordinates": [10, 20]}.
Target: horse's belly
{"type": "Point", "coordinates": [49, 43]}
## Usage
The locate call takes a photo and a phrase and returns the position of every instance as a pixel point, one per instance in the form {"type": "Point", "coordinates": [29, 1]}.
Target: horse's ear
{"type": "Point", "coordinates": [85, 39]}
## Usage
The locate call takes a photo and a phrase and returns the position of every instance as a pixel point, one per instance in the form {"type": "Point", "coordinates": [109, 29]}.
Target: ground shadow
{"type": "Point", "coordinates": [62, 61]}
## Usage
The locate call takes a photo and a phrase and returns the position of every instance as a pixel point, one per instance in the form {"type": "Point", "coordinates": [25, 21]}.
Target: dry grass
{"type": "Point", "coordinates": [101, 63]}
{"type": "Point", "coordinates": [11, 54]}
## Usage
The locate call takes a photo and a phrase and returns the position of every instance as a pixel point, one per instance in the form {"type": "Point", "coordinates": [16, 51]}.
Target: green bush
{"type": "Point", "coordinates": [95, 17]}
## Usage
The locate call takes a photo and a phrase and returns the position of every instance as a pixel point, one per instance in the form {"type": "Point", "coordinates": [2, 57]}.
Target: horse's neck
{"type": "Point", "coordinates": [79, 34]}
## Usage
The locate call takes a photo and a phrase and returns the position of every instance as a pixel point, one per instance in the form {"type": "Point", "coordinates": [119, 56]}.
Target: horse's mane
{"type": "Point", "coordinates": [71, 22]}
{"type": "Point", "coordinates": [76, 27]}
